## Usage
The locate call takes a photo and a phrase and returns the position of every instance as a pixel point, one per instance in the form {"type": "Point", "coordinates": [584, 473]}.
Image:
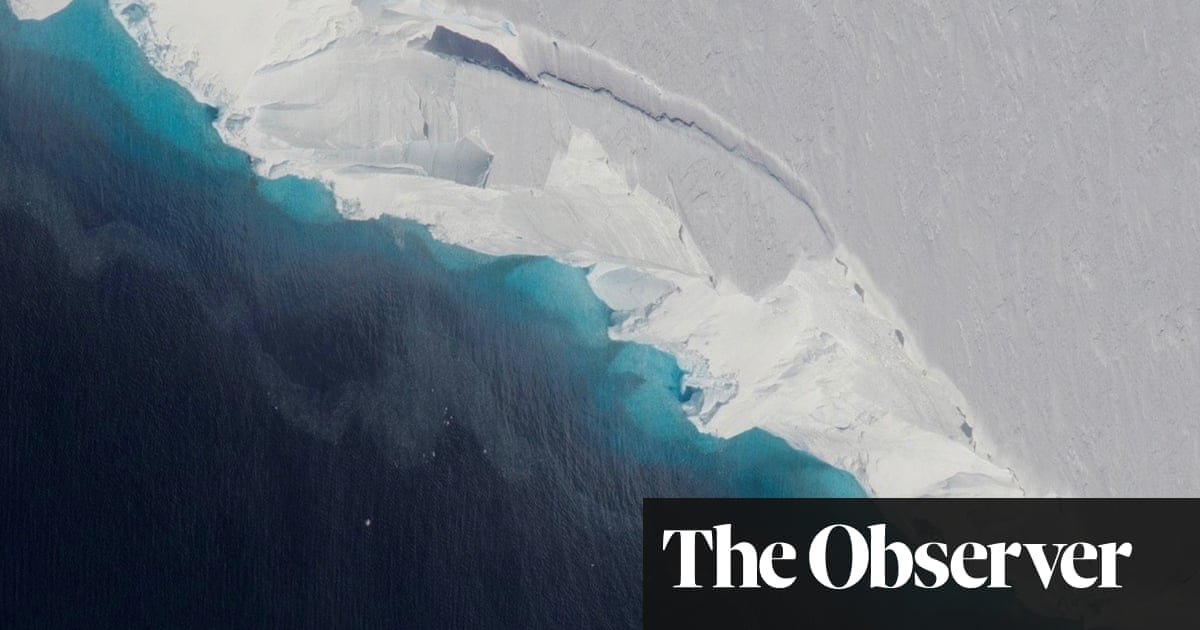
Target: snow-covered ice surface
{"type": "Point", "coordinates": [1021, 181]}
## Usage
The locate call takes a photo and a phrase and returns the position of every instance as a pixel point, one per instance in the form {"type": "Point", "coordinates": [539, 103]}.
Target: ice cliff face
{"type": "Point", "coordinates": [715, 229]}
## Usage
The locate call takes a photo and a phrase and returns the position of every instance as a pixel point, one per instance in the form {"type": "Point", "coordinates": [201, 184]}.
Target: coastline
{"type": "Point", "coordinates": [846, 387]}
{"type": "Point", "coordinates": [870, 408]}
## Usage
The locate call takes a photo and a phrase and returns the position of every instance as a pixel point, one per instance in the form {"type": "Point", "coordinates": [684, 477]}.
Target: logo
{"type": "Point", "coordinates": [921, 563]}
{"type": "Point", "coordinates": [929, 565]}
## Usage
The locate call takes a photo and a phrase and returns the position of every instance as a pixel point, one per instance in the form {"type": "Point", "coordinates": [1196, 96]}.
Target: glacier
{"type": "Point", "coordinates": [704, 241]}
{"type": "Point", "coordinates": [947, 252]}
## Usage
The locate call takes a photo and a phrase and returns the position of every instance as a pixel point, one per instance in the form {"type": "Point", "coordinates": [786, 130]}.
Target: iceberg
{"type": "Point", "coordinates": [36, 9]}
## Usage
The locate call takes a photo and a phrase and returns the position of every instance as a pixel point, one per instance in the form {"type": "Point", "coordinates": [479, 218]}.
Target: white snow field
{"type": "Point", "coordinates": [748, 181]}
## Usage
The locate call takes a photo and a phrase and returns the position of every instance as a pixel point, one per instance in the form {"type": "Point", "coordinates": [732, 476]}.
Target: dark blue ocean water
{"type": "Point", "coordinates": [209, 384]}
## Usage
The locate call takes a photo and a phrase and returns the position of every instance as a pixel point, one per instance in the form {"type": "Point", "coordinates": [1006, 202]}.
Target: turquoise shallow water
{"type": "Point", "coordinates": [213, 376]}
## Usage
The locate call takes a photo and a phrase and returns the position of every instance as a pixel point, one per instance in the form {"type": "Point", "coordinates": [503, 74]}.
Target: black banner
{"type": "Point", "coordinates": [946, 563]}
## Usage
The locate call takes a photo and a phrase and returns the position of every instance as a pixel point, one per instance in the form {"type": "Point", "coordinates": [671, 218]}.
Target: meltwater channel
{"type": "Point", "coordinates": [223, 405]}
